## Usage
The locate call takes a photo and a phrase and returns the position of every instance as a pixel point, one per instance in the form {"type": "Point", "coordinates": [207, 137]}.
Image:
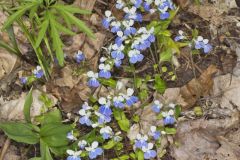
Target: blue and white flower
{"type": "Point", "coordinates": [129, 29]}
{"type": "Point", "coordinates": [120, 4]}
{"type": "Point", "coordinates": [102, 118]}
{"type": "Point", "coordinates": [105, 106]}
{"type": "Point", "coordinates": [168, 117]}
{"type": "Point", "coordinates": [93, 79]}
{"type": "Point", "coordinates": [38, 72]}
{"type": "Point", "coordinates": [118, 101]}
{"type": "Point", "coordinates": [117, 52]}
{"type": "Point", "coordinates": [130, 99]}
{"type": "Point", "coordinates": [106, 21]}
{"type": "Point", "coordinates": [180, 36]}
{"type": "Point", "coordinates": [147, 5]}
{"type": "Point", "coordinates": [156, 107]}
{"type": "Point", "coordinates": [85, 117]}
{"type": "Point", "coordinates": [149, 153]}
{"type": "Point", "coordinates": [135, 56]}
{"type": "Point", "coordinates": [82, 144]}
{"type": "Point", "coordinates": [154, 133]}
{"type": "Point", "coordinates": [120, 38]}
{"type": "Point", "coordinates": [136, 3]}
{"type": "Point", "coordinates": [73, 155]}
{"type": "Point", "coordinates": [104, 71]}
{"type": "Point", "coordinates": [23, 80]}
{"type": "Point", "coordinates": [116, 26]}
{"type": "Point", "coordinates": [132, 14]}
{"type": "Point", "coordinates": [94, 150]}
{"type": "Point", "coordinates": [70, 136]}
{"type": "Point", "coordinates": [202, 43]}
{"type": "Point", "coordinates": [79, 56]}
{"type": "Point", "coordinates": [141, 141]}
{"type": "Point", "coordinates": [106, 132]}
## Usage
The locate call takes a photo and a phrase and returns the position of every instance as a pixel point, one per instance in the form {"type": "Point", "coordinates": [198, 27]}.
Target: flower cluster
{"type": "Point", "coordinates": [145, 143]}
{"type": "Point", "coordinates": [198, 43]}
{"type": "Point", "coordinates": [103, 113]}
{"type": "Point", "coordinates": [168, 115]}
{"type": "Point", "coordinates": [92, 149]}
{"type": "Point", "coordinates": [37, 74]}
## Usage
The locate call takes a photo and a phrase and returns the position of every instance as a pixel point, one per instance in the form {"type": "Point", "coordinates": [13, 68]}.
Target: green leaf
{"type": "Point", "coordinates": [17, 15]}
{"type": "Point", "coordinates": [140, 155]}
{"type": "Point", "coordinates": [122, 120]}
{"type": "Point", "coordinates": [45, 153]}
{"type": "Point", "coordinates": [124, 124]}
{"type": "Point", "coordinates": [20, 132]}
{"type": "Point", "coordinates": [60, 27]}
{"type": "Point", "coordinates": [110, 144]}
{"type": "Point", "coordinates": [27, 106]}
{"type": "Point", "coordinates": [71, 9]}
{"type": "Point", "coordinates": [36, 158]}
{"type": "Point", "coordinates": [54, 129]}
{"type": "Point", "coordinates": [160, 84]}
{"type": "Point", "coordinates": [108, 82]}
{"type": "Point", "coordinates": [169, 130]}
{"type": "Point", "coordinates": [57, 42]}
{"type": "Point", "coordinates": [177, 111]}
{"type": "Point", "coordinates": [80, 24]}
{"type": "Point", "coordinates": [42, 32]}
{"type": "Point", "coordinates": [53, 116]}
{"type": "Point", "coordinates": [166, 56]}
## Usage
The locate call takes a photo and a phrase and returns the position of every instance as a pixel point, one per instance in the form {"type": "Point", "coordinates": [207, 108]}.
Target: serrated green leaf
{"type": "Point", "coordinates": [20, 132]}
{"type": "Point", "coordinates": [27, 106]}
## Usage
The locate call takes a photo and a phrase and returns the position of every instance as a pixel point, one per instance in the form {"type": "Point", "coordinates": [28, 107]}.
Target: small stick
{"type": "Point", "coordinates": [5, 148]}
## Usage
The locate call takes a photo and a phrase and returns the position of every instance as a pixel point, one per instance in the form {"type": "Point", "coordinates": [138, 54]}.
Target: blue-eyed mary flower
{"type": "Point", "coordinates": [73, 155]}
{"type": "Point", "coordinates": [85, 117]}
{"type": "Point", "coordinates": [135, 56]}
{"type": "Point", "coordinates": [120, 38]}
{"type": "Point", "coordinates": [147, 5]}
{"type": "Point", "coordinates": [102, 118]}
{"type": "Point", "coordinates": [94, 150]}
{"type": "Point", "coordinates": [156, 107]}
{"type": "Point", "coordinates": [149, 153]}
{"type": "Point", "coordinates": [38, 72]}
{"type": "Point", "coordinates": [130, 99]}
{"type": "Point", "coordinates": [82, 144]}
{"type": "Point", "coordinates": [120, 4]}
{"type": "Point", "coordinates": [129, 29]}
{"type": "Point", "coordinates": [106, 132]}
{"type": "Point", "coordinates": [104, 71]}
{"type": "Point", "coordinates": [79, 56]}
{"type": "Point", "coordinates": [106, 21]}
{"type": "Point", "coordinates": [71, 136]}
{"type": "Point", "coordinates": [180, 36]}
{"type": "Point", "coordinates": [116, 26]}
{"type": "Point", "coordinates": [136, 3]}
{"type": "Point", "coordinates": [201, 43]}
{"type": "Point", "coordinates": [118, 101]}
{"type": "Point", "coordinates": [93, 79]}
{"type": "Point", "coordinates": [105, 106]}
{"type": "Point", "coordinates": [168, 117]}
{"type": "Point", "coordinates": [154, 133]}
{"type": "Point", "coordinates": [131, 13]}
{"type": "Point", "coordinates": [141, 141]}
{"type": "Point", "coordinates": [117, 52]}
{"type": "Point", "coordinates": [23, 80]}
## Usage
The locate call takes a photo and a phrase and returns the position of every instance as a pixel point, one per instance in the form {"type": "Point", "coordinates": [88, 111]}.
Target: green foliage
{"type": "Point", "coordinates": [160, 84]}
{"type": "Point", "coordinates": [51, 134]}
{"type": "Point", "coordinates": [27, 106]}
{"type": "Point", "coordinates": [47, 21]}
{"type": "Point", "coordinates": [122, 120]}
